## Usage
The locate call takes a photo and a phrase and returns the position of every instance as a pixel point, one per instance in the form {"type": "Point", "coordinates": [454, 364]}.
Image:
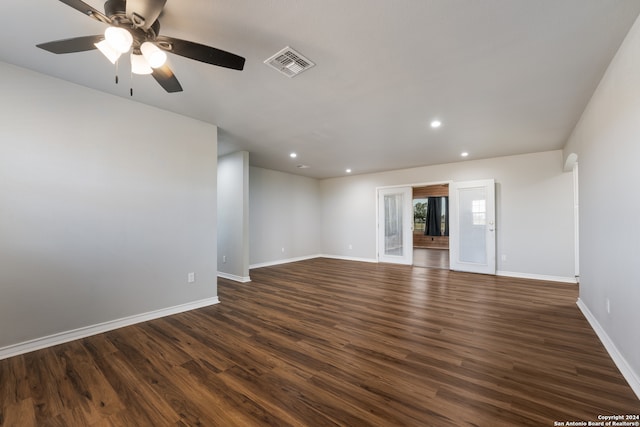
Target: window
{"type": "Point", "coordinates": [419, 214]}
{"type": "Point", "coordinates": [479, 212]}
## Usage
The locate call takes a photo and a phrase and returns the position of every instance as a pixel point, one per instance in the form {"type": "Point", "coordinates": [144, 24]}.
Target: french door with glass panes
{"type": "Point", "coordinates": [395, 225]}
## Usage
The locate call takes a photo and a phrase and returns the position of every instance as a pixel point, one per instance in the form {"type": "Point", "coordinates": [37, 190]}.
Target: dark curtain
{"type": "Point", "coordinates": [446, 215]}
{"type": "Point", "coordinates": [434, 208]}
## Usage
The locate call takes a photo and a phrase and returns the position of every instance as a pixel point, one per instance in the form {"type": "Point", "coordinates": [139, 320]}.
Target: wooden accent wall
{"type": "Point", "coordinates": [431, 191]}
{"type": "Point", "coordinates": [419, 239]}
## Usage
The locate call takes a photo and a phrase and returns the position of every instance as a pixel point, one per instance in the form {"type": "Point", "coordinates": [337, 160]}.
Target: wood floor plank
{"type": "Point", "coordinates": [14, 384]}
{"type": "Point", "coordinates": [20, 413]}
{"type": "Point", "coordinates": [328, 342]}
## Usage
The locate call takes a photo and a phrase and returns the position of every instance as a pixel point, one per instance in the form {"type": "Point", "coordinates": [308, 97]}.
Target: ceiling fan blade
{"type": "Point", "coordinates": [76, 44]}
{"type": "Point", "coordinates": [143, 13]}
{"type": "Point", "coordinates": [200, 52]}
{"type": "Point", "coordinates": [81, 6]}
{"type": "Point", "coordinates": [165, 77]}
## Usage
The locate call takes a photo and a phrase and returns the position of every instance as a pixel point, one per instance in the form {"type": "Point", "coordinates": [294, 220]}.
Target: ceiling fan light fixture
{"type": "Point", "coordinates": [139, 65]}
{"type": "Point", "coordinates": [108, 51]}
{"type": "Point", "coordinates": [154, 56]}
{"type": "Point", "coordinates": [118, 38]}
{"type": "Point", "coordinates": [131, 23]}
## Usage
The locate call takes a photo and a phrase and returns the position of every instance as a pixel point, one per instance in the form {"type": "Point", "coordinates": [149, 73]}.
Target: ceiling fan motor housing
{"type": "Point", "coordinates": [116, 10]}
{"type": "Point", "coordinates": [115, 7]}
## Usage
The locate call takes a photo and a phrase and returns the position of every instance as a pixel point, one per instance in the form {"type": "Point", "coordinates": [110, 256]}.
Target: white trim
{"type": "Point", "coordinates": [536, 276]}
{"type": "Point", "coordinates": [576, 220]}
{"type": "Point", "coordinates": [625, 369]}
{"type": "Point", "coordinates": [375, 261]}
{"type": "Point", "coordinates": [233, 277]}
{"type": "Point", "coordinates": [304, 258]}
{"type": "Point", "coordinates": [86, 331]}
{"type": "Point", "coordinates": [284, 261]}
{"type": "Point", "coordinates": [349, 258]}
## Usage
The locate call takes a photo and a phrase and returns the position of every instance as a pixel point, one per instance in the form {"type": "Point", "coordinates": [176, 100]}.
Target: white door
{"type": "Point", "coordinates": [472, 231]}
{"type": "Point", "coordinates": [395, 225]}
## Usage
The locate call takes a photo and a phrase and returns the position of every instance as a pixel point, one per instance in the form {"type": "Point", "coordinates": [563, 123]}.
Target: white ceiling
{"type": "Point", "coordinates": [504, 76]}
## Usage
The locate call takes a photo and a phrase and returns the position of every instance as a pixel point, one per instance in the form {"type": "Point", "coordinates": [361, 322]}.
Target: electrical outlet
{"type": "Point", "coordinates": [224, 259]}
{"type": "Point", "coordinates": [504, 257]}
{"type": "Point", "coordinates": [191, 277]}
{"type": "Point", "coordinates": [282, 250]}
{"type": "Point", "coordinates": [608, 306]}
{"type": "Point", "coordinates": [350, 246]}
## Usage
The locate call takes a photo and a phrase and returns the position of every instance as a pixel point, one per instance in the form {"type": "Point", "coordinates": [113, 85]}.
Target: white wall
{"type": "Point", "coordinates": [534, 211]}
{"type": "Point", "coordinates": [284, 214]}
{"type": "Point", "coordinates": [105, 206]}
{"type": "Point", "coordinates": [607, 141]}
{"type": "Point", "coordinates": [233, 216]}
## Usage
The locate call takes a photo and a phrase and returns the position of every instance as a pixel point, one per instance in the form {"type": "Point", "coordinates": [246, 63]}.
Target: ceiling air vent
{"type": "Point", "coordinates": [289, 62]}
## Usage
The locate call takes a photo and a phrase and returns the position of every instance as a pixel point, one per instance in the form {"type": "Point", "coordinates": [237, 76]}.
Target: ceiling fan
{"type": "Point", "coordinates": [134, 26]}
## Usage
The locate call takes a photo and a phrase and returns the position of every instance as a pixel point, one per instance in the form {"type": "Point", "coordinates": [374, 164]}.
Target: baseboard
{"type": "Point", "coordinates": [349, 258]}
{"type": "Point", "coordinates": [561, 279]}
{"type": "Point", "coordinates": [233, 277]}
{"type": "Point", "coordinates": [304, 258]}
{"type": "Point", "coordinates": [63, 337]}
{"type": "Point", "coordinates": [625, 369]}
{"type": "Point", "coordinates": [283, 261]}
{"type": "Point", "coordinates": [537, 277]}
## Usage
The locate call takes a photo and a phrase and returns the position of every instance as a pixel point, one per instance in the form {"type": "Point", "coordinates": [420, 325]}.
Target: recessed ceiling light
{"type": "Point", "coordinates": [293, 155]}
{"type": "Point", "coordinates": [464, 154]}
{"type": "Point", "coordinates": [348, 171]}
{"type": "Point", "coordinates": [436, 124]}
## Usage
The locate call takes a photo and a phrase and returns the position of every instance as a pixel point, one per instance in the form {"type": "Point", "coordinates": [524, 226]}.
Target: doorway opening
{"type": "Point", "coordinates": [431, 226]}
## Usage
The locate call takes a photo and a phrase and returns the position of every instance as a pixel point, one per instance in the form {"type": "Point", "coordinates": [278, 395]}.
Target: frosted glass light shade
{"type": "Point", "coordinates": [152, 53]}
{"type": "Point", "coordinates": [109, 52]}
{"type": "Point", "coordinates": [139, 65]}
{"type": "Point", "coordinates": [118, 38]}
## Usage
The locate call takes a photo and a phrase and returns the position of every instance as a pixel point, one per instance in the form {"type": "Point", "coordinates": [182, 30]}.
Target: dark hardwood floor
{"type": "Point", "coordinates": [334, 343]}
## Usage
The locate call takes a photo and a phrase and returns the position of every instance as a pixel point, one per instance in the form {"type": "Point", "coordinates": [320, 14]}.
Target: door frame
{"type": "Point", "coordinates": [389, 187]}
{"type": "Point", "coordinates": [490, 267]}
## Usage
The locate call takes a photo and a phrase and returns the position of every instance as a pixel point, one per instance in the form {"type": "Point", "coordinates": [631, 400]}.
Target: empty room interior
{"type": "Point", "coordinates": [319, 213]}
